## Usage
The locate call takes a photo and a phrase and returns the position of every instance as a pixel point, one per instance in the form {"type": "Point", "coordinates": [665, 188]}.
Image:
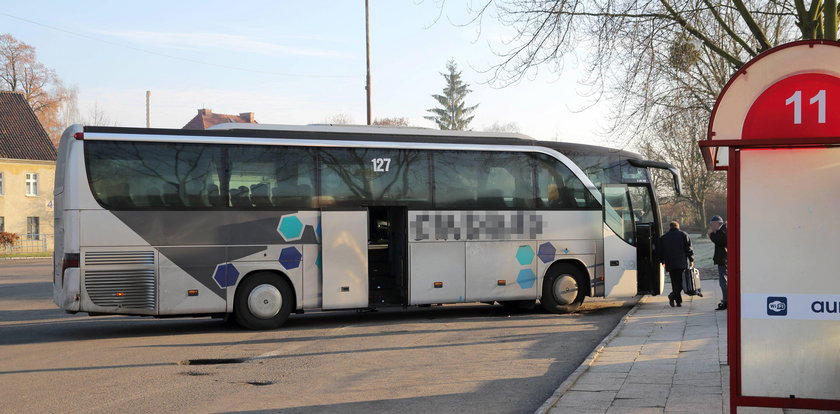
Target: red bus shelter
{"type": "Point", "coordinates": [776, 129]}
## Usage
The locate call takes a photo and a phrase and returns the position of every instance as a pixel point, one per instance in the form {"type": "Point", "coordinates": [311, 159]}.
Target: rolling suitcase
{"type": "Point", "coordinates": [691, 282]}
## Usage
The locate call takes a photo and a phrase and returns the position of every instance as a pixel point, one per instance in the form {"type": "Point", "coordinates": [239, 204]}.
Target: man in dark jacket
{"type": "Point", "coordinates": [717, 234]}
{"type": "Point", "coordinates": [676, 253]}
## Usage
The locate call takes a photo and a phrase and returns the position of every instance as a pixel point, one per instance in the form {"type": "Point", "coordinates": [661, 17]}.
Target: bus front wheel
{"type": "Point", "coordinates": [563, 289]}
{"type": "Point", "coordinates": [263, 301]}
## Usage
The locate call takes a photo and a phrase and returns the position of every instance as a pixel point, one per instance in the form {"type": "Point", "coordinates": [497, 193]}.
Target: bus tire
{"type": "Point", "coordinates": [563, 289]}
{"type": "Point", "coordinates": [263, 301]}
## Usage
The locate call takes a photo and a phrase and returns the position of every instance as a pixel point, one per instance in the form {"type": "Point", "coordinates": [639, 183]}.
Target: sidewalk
{"type": "Point", "coordinates": [658, 359]}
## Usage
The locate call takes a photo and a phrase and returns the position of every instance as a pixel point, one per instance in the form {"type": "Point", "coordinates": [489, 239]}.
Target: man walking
{"type": "Point", "coordinates": [717, 234]}
{"type": "Point", "coordinates": [677, 254]}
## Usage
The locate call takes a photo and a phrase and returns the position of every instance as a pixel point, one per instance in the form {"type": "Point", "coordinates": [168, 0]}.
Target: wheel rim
{"type": "Point", "coordinates": [565, 289]}
{"type": "Point", "coordinates": [265, 301]}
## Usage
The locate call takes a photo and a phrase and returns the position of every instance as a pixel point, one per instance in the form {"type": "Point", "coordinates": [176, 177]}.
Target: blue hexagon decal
{"type": "Point", "coordinates": [318, 260]}
{"type": "Point", "coordinates": [525, 255]}
{"type": "Point", "coordinates": [546, 252]}
{"type": "Point", "coordinates": [290, 258]}
{"type": "Point", "coordinates": [290, 227]}
{"type": "Point", "coordinates": [225, 275]}
{"type": "Point", "coordinates": [526, 278]}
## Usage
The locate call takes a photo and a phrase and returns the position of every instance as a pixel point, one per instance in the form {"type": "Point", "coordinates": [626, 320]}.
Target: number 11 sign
{"type": "Point", "coordinates": [805, 105]}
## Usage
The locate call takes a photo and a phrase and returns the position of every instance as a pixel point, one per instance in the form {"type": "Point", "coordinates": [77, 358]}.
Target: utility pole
{"type": "Point", "coordinates": [367, 48]}
{"type": "Point", "coordinates": [148, 109]}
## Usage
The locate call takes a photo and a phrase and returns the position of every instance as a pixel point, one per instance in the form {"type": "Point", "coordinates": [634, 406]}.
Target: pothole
{"type": "Point", "coordinates": [212, 361]}
{"type": "Point", "coordinates": [260, 383]}
{"type": "Point", "coordinates": [195, 373]}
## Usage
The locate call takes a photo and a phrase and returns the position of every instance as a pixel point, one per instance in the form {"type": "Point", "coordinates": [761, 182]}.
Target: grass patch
{"type": "Point", "coordinates": [704, 250]}
{"type": "Point", "coordinates": [37, 254]}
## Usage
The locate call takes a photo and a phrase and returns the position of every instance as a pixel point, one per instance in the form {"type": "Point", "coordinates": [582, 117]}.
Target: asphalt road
{"type": "Point", "coordinates": [460, 358]}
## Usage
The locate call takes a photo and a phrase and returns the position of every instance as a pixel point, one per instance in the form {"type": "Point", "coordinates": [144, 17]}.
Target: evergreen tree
{"type": "Point", "coordinates": [453, 113]}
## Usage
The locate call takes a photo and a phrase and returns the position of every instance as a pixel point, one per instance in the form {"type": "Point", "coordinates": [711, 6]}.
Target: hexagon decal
{"type": "Point", "coordinates": [546, 252]}
{"type": "Point", "coordinates": [225, 275]}
{"type": "Point", "coordinates": [290, 227]}
{"type": "Point", "coordinates": [290, 258]}
{"type": "Point", "coordinates": [525, 255]}
{"type": "Point", "coordinates": [318, 260]}
{"type": "Point", "coordinates": [526, 278]}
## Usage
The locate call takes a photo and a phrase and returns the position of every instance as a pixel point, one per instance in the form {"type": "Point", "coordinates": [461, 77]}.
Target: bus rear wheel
{"type": "Point", "coordinates": [263, 301]}
{"type": "Point", "coordinates": [563, 289]}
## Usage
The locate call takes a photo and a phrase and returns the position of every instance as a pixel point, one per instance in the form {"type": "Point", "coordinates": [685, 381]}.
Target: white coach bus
{"type": "Point", "coordinates": [258, 221]}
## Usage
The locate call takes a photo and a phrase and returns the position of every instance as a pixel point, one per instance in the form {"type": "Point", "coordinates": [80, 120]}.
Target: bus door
{"type": "Point", "coordinates": [387, 255]}
{"type": "Point", "coordinates": [344, 257]}
{"type": "Point", "coordinates": [651, 272]}
{"type": "Point", "coordinates": [620, 261]}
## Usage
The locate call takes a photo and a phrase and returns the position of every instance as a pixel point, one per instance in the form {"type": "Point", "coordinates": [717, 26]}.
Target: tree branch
{"type": "Point", "coordinates": [706, 41]}
{"type": "Point", "coordinates": [752, 25]}
{"type": "Point", "coordinates": [729, 30]}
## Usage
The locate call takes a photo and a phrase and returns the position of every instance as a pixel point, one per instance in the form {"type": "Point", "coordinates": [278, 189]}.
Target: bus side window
{"type": "Point", "coordinates": [558, 188]}
{"type": "Point", "coordinates": [497, 180]}
{"type": "Point", "coordinates": [170, 196]}
{"type": "Point", "coordinates": [214, 197]}
{"type": "Point", "coordinates": [259, 195]}
{"type": "Point", "coordinates": [240, 197]}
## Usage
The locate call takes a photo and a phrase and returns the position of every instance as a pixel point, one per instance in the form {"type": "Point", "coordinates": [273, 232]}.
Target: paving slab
{"type": "Point", "coordinates": [659, 359]}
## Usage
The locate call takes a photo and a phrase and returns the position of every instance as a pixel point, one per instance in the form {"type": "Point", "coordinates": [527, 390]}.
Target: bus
{"type": "Point", "coordinates": [258, 221]}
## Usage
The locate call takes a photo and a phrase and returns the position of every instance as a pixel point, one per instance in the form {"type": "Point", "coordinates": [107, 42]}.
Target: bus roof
{"type": "Point", "coordinates": [364, 132]}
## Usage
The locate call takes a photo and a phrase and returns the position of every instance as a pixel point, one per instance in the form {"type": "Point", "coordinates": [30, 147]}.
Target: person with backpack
{"type": "Point", "coordinates": [677, 256]}
{"type": "Point", "coordinates": [717, 234]}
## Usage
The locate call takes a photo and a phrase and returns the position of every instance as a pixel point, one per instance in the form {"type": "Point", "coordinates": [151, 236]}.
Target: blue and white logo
{"type": "Point", "coordinates": [777, 305]}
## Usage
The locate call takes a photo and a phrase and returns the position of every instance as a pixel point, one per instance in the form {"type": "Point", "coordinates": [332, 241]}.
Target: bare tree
{"type": "Point", "coordinates": [660, 63]}
{"type": "Point", "coordinates": [503, 127]}
{"type": "Point", "coordinates": [339, 119]}
{"type": "Point", "coordinates": [20, 71]}
{"type": "Point", "coordinates": [393, 121]}
{"type": "Point", "coordinates": [673, 140]}
{"type": "Point", "coordinates": [96, 115]}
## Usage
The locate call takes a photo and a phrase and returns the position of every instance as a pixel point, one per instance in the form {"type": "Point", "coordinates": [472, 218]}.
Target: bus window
{"type": "Point", "coordinates": [633, 174]}
{"type": "Point", "coordinates": [353, 176]}
{"type": "Point", "coordinates": [482, 180]}
{"type": "Point", "coordinates": [138, 175]}
{"type": "Point", "coordinates": [270, 177]}
{"type": "Point", "coordinates": [617, 213]}
{"type": "Point", "coordinates": [640, 198]}
{"type": "Point", "coordinates": [558, 188]}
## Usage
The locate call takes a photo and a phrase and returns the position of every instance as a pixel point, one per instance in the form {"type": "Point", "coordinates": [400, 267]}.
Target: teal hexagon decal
{"type": "Point", "coordinates": [525, 255]}
{"type": "Point", "coordinates": [290, 227]}
{"type": "Point", "coordinates": [526, 278]}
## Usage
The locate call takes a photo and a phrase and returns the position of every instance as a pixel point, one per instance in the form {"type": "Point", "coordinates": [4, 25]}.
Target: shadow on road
{"type": "Point", "coordinates": [53, 325]}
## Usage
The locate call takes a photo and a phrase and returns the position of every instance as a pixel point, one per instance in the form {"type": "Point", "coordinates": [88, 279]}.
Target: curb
{"type": "Point", "coordinates": [590, 359]}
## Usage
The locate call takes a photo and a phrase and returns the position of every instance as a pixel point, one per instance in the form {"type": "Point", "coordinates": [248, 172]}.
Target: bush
{"type": "Point", "coordinates": [8, 239]}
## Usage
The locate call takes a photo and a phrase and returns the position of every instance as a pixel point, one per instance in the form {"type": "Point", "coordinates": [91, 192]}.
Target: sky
{"type": "Point", "coordinates": [292, 62]}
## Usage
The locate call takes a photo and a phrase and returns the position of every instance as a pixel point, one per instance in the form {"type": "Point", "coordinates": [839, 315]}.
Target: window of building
{"type": "Point", "coordinates": [1, 183]}
{"type": "Point", "coordinates": [33, 228]}
{"type": "Point", "coordinates": [2, 224]}
{"type": "Point", "coordinates": [31, 184]}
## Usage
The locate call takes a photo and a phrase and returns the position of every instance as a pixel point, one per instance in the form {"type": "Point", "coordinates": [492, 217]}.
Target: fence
{"type": "Point", "coordinates": [29, 244]}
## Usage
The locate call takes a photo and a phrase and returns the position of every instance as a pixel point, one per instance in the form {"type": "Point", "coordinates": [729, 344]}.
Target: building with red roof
{"type": "Point", "coordinates": [27, 171]}
{"type": "Point", "coordinates": [206, 118]}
